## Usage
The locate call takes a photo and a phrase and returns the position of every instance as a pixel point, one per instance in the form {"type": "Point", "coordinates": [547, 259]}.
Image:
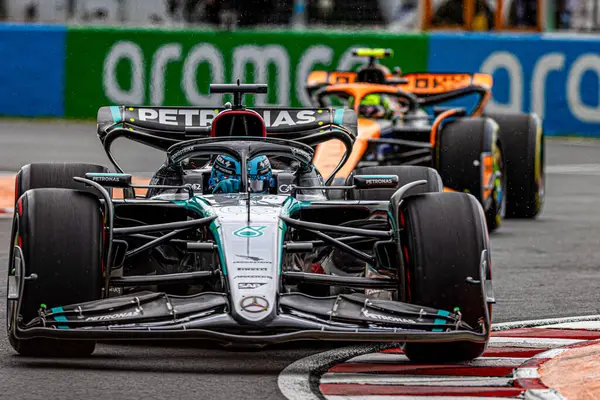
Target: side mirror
{"type": "Point", "coordinates": [375, 181]}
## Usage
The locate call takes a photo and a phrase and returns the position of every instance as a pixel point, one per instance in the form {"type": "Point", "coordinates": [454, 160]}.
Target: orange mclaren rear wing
{"type": "Point", "coordinates": [429, 83]}
{"type": "Point", "coordinates": [437, 88]}
{"type": "Point", "coordinates": [318, 79]}
{"type": "Point", "coordinates": [419, 82]}
{"type": "Point", "coordinates": [423, 84]}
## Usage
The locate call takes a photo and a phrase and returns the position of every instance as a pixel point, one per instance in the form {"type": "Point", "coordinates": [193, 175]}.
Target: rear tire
{"type": "Point", "coordinates": [523, 142]}
{"type": "Point", "coordinates": [406, 174]}
{"type": "Point", "coordinates": [464, 147]}
{"type": "Point", "coordinates": [54, 175]}
{"type": "Point", "coordinates": [60, 234]}
{"type": "Point", "coordinates": [444, 235]}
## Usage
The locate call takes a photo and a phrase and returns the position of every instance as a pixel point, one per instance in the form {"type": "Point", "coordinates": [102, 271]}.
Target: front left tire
{"type": "Point", "coordinates": [58, 236]}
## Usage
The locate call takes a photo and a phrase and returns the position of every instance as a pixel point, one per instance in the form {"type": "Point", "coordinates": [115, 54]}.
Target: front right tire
{"type": "Point", "coordinates": [443, 237]}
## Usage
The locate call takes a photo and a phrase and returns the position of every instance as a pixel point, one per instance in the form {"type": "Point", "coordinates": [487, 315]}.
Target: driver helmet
{"type": "Point", "coordinates": [260, 175]}
{"type": "Point", "coordinates": [375, 106]}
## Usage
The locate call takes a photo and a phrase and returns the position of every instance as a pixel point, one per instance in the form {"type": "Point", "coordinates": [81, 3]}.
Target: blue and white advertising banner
{"type": "Point", "coordinates": [555, 76]}
{"type": "Point", "coordinates": [33, 70]}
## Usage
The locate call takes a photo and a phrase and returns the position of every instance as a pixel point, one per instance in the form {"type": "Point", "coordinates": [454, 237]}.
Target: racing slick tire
{"type": "Point", "coordinates": [466, 148]}
{"type": "Point", "coordinates": [54, 175]}
{"type": "Point", "coordinates": [406, 174]}
{"type": "Point", "coordinates": [59, 233]}
{"type": "Point", "coordinates": [443, 237]}
{"type": "Point", "coordinates": [522, 139]}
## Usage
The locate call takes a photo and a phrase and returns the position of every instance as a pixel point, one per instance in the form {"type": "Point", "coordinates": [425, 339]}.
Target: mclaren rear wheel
{"type": "Point", "coordinates": [523, 142]}
{"type": "Point", "coordinates": [470, 158]}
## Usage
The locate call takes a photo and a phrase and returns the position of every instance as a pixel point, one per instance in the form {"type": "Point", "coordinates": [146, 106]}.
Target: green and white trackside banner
{"type": "Point", "coordinates": [175, 68]}
{"type": "Point", "coordinates": [63, 71]}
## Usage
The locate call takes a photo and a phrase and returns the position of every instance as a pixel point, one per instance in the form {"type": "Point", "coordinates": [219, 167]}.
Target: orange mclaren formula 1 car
{"type": "Point", "coordinates": [420, 119]}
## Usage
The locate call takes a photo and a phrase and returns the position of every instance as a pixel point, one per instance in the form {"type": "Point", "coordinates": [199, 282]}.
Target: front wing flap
{"type": "Point", "coordinates": [137, 309]}
{"type": "Point", "coordinates": [148, 315]}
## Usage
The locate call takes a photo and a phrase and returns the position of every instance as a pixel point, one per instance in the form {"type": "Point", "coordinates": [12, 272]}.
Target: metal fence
{"type": "Point", "coordinates": [580, 15]}
{"type": "Point", "coordinates": [197, 12]}
{"type": "Point", "coordinates": [391, 15]}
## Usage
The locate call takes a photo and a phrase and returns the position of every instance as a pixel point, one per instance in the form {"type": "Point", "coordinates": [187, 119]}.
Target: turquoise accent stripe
{"type": "Point", "coordinates": [116, 114]}
{"type": "Point", "coordinates": [440, 321]}
{"type": "Point", "coordinates": [60, 318]}
{"type": "Point", "coordinates": [338, 117]}
{"type": "Point", "coordinates": [57, 310]}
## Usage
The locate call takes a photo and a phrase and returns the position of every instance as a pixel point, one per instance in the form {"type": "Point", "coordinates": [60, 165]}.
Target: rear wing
{"type": "Point", "coordinates": [319, 79]}
{"type": "Point", "coordinates": [433, 88]}
{"type": "Point", "coordinates": [179, 122]}
{"type": "Point", "coordinates": [418, 82]}
{"type": "Point", "coordinates": [431, 83]}
{"type": "Point", "coordinates": [448, 88]}
{"type": "Point", "coordinates": [324, 78]}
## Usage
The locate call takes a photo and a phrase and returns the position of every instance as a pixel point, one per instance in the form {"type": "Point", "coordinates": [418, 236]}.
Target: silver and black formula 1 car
{"type": "Point", "coordinates": [182, 262]}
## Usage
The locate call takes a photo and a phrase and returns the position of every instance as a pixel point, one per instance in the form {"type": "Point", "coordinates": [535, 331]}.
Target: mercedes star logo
{"type": "Point", "coordinates": [254, 304]}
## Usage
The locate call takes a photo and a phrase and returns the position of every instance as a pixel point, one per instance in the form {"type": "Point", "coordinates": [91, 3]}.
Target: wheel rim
{"type": "Point", "coordinates": [12, 271]}
{"type": "Point", "coordinates": [499, 184]}
{"type": "Point", "coordinates": [539, 169]}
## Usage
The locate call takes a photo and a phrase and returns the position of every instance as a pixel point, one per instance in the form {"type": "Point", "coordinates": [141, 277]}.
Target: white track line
{"type": "Point", "coordinates": [585, 325]}
{"type": "Point", "coordinates": [380, 397]}
{"type": "Point", "coordinates": [415, 380]}
{"type": "Point", "coordinates": [391, 358]}
{"type": "Point", "coordinates": [541, 322]}
{"type": "Point", "coordinates": [536, 343]}
{"type": "Point", "coordinates": [379, 357]}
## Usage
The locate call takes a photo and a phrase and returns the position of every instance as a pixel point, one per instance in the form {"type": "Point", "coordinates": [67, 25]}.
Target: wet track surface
{"type": "Point", "coordinates": [542, 269]}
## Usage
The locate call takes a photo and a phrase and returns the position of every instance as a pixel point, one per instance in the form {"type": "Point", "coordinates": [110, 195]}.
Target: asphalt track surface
{"type": "Point", "coordinates": [542, 269]}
